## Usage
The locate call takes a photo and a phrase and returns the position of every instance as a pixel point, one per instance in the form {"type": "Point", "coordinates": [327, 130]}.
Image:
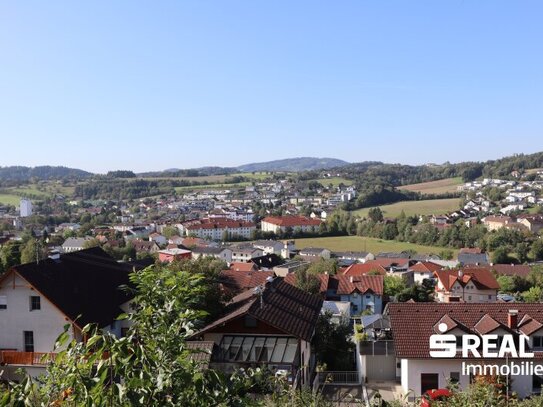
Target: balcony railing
{"type": "Point", "coordinates": [377, 348]}
{"type": "Point", "coordinates": [25, 358]}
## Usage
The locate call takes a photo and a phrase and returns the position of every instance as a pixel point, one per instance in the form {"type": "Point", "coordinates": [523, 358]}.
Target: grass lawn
{"type": "Point", "coordinates": [8, 199]}
{"type": "Point", "coordinates": [425, 207]}
{"type": "Point", "coordinates": [357, 243]}
{"type": "Point", "coordinates": [434, 187]}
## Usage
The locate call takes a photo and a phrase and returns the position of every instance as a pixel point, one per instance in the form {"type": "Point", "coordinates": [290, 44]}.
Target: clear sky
{"type": "Point", "coordinates": [149, 85]}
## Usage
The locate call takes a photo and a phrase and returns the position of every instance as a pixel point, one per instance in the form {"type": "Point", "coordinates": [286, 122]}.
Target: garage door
{"type": "Point", "coordinates": [381, 367]}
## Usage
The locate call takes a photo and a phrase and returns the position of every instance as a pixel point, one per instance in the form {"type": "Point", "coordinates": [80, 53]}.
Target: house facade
{"type": "Point", "coordinates": [475, 285]}
{"type": "Point", "coordinates": [280, 224]}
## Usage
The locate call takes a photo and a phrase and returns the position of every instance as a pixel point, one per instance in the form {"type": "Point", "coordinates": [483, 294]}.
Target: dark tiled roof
{"type": "Point", "coordinates": [511, 269]}
{"type": "Point", "coordinates": [82, 284]}
{"type": "Point", "coordinates": [473, 258]}
{"type": "Point", "coordinates": [413, 323]}
{"type": "Point", "coordinates": [267, 261]}
{"type": "Point", "coordinates": [281, 305]}
{"type": "Point", "coordinates": [200, 352]}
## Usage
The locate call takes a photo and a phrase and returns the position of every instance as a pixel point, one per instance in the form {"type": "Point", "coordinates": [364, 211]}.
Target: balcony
{"type": "Point", "coordinates": [25, 358]}
{"type": "Point", "coordinates": [377, 348]}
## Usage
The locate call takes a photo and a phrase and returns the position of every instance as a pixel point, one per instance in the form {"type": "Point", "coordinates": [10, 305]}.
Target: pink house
{"type": "Point", "coordinates": [169, 255]}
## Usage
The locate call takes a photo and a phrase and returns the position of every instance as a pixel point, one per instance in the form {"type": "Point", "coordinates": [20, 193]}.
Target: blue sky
{"type": "Point", "coordinates": [151, 85]}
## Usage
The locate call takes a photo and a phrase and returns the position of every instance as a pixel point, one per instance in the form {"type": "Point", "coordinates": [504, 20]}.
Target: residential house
{"type": "Point", "coordinates": [74, 244]}
{"type": "Point", "coordinates": [340, 311]}
{"type": "Point", "coordinates": [158, 239]}
{"type": "Point", "coordinates": [423, 270]}
{"type": "Point", "coordinates": [245, 252]}
{"type": "Point", "coordinates": [533, 223]}
{"type": "Point", "coordinates": [280, 224]}
{"type": "Point", "coordinates": [269, 246]}
{"type": "Point", "coordinates": [360, 257]}
{"type": "Point", "coordinates": [169, 255]}
{"type": "Point", "coordinates": [497, 222]}
{"type": "Point", "coordinates": [38, 299]}
{"type": "Point", "coordinates": [412, 325]}
{"type": "Point", "coordinates": [313, 254]}
{"type": "Point", "coordinates": [292, 266]}
{"type": "Point", "coordinates": [474, 285]}
{"type": "Point", "coordinates": [235, 281]}
{"type": "Point", "coordinates": [221, 253]}
{"type": "Point", "coordinates": [145, 246]}
{"type": "Point", "coordinates": [272, 326]}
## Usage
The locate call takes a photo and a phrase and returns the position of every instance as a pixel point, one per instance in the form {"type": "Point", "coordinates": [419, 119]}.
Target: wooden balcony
{"type": "Point", "coordinates": [8, 357]}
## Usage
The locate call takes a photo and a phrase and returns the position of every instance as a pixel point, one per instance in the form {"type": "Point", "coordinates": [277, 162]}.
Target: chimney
{"type": "Point", "coordinates": [512, 319]}
{"type": "Point", "coordinates": [351, 279]}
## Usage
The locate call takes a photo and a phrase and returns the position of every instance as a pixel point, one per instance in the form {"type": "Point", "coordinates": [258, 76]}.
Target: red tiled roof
{"type": "Point", "coordinates": [425, 267]}
{"type": "Point", "coordinates": [528, 325]}
{"type": "Point", "coordinates": [413, 323]}
{"type": "Point", "coordinates": [292, 221]}
{"type": "Point", "coordinates": [350, 284]}
{"type": "Point", "coordinates": [359, 269]}
{"type": "Point", "coordinates": [480, 276]}
{"type": "Point", "coordinates": [243, 266]}
{"type": "Point", "coordinates": [486, 325]}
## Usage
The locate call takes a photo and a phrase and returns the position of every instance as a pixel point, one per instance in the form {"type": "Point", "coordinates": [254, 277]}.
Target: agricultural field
{"type": "Point", "coordinates": [211, 186]}
{"type": "Point", "coordinates": [8, 199]}
{"type": "Point", "coordinates": [424, 207]}
{"type": "Point", "coordinates": [441, 186]}
{"type": "Point", "coordinates": [367, 244]}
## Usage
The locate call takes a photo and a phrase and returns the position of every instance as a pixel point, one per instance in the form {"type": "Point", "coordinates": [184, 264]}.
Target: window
{"type": "Point", "coordinates": [538, 341]}
{"type": "Point", "coordinates": [455, 377]}
{"type": "Point", "coordinates": [28, 341]}
{"type": "Point", "coordinates": [428, 381]}
{"type": "Point", "coordinates": [3, 302]}
{"type": "Point", "coordinates": [35, 303]}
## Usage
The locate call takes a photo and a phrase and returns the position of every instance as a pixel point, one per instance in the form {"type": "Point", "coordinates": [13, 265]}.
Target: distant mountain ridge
{"type": "Point", "coordinates": [43, 172]}
{"type": "Point", "coordinates": [294, 164]}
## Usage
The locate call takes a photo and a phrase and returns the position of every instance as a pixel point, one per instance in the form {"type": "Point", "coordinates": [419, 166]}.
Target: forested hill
{"type": "Point", "coordinates": [399, 174]}
{"type": "Point", "coordinates": [45, 172]}
{"type": "Point", "coordinates": [294, 164]}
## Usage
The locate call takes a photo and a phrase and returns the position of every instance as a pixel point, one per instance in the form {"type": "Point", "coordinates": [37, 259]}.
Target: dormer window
{"type": "Point", "coordinates": [3, 302]}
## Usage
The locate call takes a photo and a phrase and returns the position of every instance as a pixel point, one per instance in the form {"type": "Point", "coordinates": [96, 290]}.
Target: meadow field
{"type": "Point", "coordinates": [441, 186]}
{"type": "Point", "coordinates": [424, 207]}
{"type": "Point", "coordinates": [366, 244]}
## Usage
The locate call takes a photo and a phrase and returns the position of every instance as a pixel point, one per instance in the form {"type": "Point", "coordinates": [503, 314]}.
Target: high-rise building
{"type": "Point", "coordinates": [25, 207]}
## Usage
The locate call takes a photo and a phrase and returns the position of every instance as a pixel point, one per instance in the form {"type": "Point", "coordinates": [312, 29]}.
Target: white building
{"type": "Point", "coordinates": [25, 208]}
{"type": "Point", "coordinates": [38, 299]}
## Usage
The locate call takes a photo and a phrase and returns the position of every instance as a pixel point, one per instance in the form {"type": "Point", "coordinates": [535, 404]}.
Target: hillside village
{"type": "Point", "coordinates": [275, 292]}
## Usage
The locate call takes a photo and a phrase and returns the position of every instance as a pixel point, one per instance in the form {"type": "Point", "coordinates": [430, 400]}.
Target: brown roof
{"type": "Point", "coordinates": [359, 269]}
{"type": "Point", "coordinates": [243, 266]}
{"type": "Point", "coordinates": [425, 267]}
{"type": "Point", "coordinates": [324, 279]}
{"type": "Point", "coordinates": [240, 280]}
{"type": "Point", "coordinates": [486, 325]}
{"type": "Point", "coordinates": [362, 284]}
{"type": "Point", "coordinates": [280, 305]}
{"type": "Point", "coordinates": [413, 323]}
{"type": "Point", "coordinates": [292, 221]}
{"type": "Point", "coordinates": [480, 276]}
{"type": "Point", "coordinates": [529, 325]}
{"type": "Point", "coordinates": [521, 270]}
